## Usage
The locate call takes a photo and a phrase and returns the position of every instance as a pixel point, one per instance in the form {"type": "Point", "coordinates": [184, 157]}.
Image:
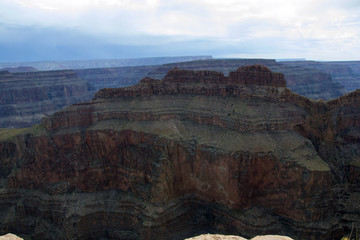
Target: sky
{"type": "Point", "coordinates": [40, 30]}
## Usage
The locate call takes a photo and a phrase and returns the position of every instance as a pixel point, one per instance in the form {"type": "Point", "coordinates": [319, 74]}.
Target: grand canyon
{"type": "Point", "coordinates": [28, 94]}
{"type": "Point", "coordinates": [177, 154]}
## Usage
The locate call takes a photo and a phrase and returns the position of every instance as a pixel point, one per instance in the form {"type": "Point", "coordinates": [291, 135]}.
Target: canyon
{"type": "Point", "coordinates": [44, 92]}
{"type": "Point", "coordinates": [197, 152]}
{"type": "Point", "coordinates": [26, 97]}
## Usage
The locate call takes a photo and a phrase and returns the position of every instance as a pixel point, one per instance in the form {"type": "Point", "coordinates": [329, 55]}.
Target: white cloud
{"type": "Point", "coordinates": [331, 23]}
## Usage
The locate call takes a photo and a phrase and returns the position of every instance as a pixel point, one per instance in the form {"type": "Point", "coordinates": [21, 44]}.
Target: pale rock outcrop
{"type": "Point", "coordinates": [231, 237]}
{"type": "Point", "coordinates": [10, 236]}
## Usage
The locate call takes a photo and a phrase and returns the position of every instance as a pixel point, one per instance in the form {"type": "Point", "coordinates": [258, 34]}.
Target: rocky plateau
{"type": "Point", "coordinates": [302, 79]}
{"type": "Point", "coordinates": [196, 152]}
{"type": "Point", "coordinates": [346, 73]}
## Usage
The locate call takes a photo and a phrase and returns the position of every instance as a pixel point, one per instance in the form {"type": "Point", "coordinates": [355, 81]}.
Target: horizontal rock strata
{"type": "Point", "coordinates": [196, 152]}
{"type": "Point", "coordinates": [27, 97]}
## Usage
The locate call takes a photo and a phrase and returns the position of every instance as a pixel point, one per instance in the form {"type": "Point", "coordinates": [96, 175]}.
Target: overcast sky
{"type": "Point", "coordinates": [32, 30]}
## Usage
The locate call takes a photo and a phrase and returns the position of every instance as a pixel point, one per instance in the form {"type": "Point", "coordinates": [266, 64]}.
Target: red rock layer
{"type": "Point", "coordinates": [200, 82]}
{"type": "Point", "coordinates": [195, 152]}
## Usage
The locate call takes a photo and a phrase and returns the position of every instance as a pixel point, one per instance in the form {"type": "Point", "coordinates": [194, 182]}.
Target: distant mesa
{"type": "Point", "coordinates": [244, 75]}
{"type": "Point", "coordinates": [200, 82]}
{"type": "Point", "coordinates": [102, 63]}
{"type": "Point", "coordinates": [19, 69]}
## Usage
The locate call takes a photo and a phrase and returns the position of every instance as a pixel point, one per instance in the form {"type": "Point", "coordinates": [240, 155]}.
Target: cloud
{"type": "Point", "coordinates": [275, 27]}
{"type": "Point", "coordinates": [45, 7]}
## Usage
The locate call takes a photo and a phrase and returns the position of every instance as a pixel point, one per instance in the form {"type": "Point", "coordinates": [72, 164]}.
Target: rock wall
{"type": "Point", "coordinates": [304, 80]}
{"type": "Point", "coordinates": [41, 93]}
{"type": "Point", "coordinates": [196, 152]}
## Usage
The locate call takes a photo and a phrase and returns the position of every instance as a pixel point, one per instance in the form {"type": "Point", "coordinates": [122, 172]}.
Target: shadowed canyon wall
{"type": "Point", "coordinates": [347, 73]}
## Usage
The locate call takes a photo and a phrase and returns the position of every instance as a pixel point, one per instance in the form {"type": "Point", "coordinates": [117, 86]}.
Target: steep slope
{"type": "Point", "coordinates": [26, 97]}
{"type": "Point", "coordinates": [196, 152]}
{"type": "Point", "coordinates": [305, 81]}
{"type": "Point", "coordinates": [114, 77]}
{"type": "Point", "coordinates": [28, 94]}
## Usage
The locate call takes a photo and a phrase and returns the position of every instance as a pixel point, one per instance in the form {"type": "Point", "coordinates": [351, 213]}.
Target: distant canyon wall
{"type": "Point", "coordinates": [27, 97]}
{"type": "Point", "coordinates": [45, 92]}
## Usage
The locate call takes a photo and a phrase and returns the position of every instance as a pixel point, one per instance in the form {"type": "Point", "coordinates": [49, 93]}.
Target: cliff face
{"type": "Point", "coordinates": [196, 152]}
{"type": "Point", "coordinates": [346, 73]}
{"type": "Point", "coordinates": [26, 97]}
{"type": "Point", "coordinates": [29, 94]}
{"type": "Point", "coordinates": [41, 93]}
{"type": "Point", "coordinates": [307, 81]}
{"type": "Point", "coordinates": [101, 63]}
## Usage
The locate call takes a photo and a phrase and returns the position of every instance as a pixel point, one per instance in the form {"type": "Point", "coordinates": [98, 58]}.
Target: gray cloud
{"type": "Point", "coordinates": [324, 29]}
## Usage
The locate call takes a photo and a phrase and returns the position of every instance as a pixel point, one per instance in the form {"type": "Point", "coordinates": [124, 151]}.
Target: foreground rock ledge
{"type": "Point", "coordinates": [230, 237]}
{"type": "Point", "coordinates": [193, 153]}
{"type": "Point", "coordinates": [10, 236]}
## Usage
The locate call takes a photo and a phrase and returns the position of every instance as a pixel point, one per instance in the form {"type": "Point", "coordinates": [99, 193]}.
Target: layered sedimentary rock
{"type": "Point", "coordinates": [347, 73]}
{"type": "Point", "coordinates": [27, 97]}
{"type": "Point", "coordinates": [43, 92]}
{"type": "Point", "coordinates": [10, 236]}
{"type": "Point", "coordinates": [307, 81]}
{"type": "Point", "coordinates": [196, 152]}
{"type": "Point", "coordinates": [62, 88]}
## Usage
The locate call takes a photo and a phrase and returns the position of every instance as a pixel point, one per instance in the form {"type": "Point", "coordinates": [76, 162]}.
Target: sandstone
{"type": "Point", "coordinates": [29, 101]}
{"type": "Point", "coordinates": [195, 152]}
{"type": "Point", "coordinates": [202, 83]}
{"type": "Point", "coordinates": [10, 236]}
{"type": "Point", "coordinates": [26, 97]}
